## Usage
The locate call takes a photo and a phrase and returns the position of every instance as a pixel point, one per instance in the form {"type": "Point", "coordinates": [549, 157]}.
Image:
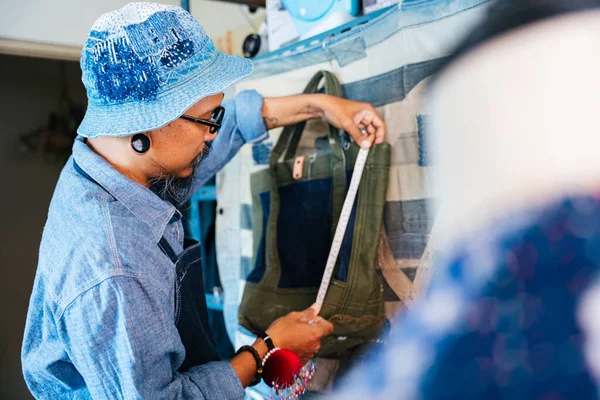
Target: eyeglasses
{"type": "Point", "coordinates": [214, 123]}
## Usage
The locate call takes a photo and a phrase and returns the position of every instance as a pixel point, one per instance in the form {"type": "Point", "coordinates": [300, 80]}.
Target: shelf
{"type": "Point", "coordinates": [304, 44]}
{"type": "Point", "coordinates": [41, 50]}
{"type": "Point", "coordinates": [256, 3]}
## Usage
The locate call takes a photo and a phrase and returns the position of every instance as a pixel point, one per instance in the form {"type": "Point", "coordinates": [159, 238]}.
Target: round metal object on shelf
{"type": "Point", "coordinates": [254, 45]}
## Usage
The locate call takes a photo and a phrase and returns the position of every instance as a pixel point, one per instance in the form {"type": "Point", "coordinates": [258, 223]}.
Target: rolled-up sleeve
{"type": "Point", "coordinates": [243, 123]}
{"type": "Point", "coordinates": [121, 337]}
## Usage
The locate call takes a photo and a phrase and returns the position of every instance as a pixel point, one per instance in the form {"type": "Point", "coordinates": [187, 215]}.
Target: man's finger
{"type": "Point", "coordinates": [364, 140]}
{"type": "Point", "coordinates": [359, 117]}
{"type": "Point", "coordinates": [380, 129]}
{"type": "Point", "coordinates": [368, 118]}
{"type": "Point", "coordinates": [367, 121]}
{"type": "Point", "coordinates": [362, 136]}
{"type": "Point", "coordinates": [325, 326]}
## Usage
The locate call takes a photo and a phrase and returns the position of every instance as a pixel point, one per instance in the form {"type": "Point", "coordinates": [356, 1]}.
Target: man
{"type": "Point", "coordinates": [118, 308]}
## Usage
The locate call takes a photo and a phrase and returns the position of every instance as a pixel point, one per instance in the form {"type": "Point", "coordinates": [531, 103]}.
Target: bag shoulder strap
{"type": "Point", "coordinates": [288, 143]}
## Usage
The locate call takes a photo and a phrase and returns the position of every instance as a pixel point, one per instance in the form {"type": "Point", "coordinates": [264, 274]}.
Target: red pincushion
{"type": "Point", "coordinates": [281, 367]}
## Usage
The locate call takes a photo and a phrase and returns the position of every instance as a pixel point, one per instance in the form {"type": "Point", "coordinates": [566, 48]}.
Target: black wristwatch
{"type": "Point", "coordinates": [268, 341]}
{"type": "Point", "coordinates": [259, 366]}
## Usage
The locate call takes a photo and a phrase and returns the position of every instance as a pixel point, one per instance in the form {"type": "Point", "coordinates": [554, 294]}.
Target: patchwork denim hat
{"type": "Point", "coordinates": [145, 64]}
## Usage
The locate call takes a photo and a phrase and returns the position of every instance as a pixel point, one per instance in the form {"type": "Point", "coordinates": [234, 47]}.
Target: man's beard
{"type": "Point", "coordinates": [177, 190]}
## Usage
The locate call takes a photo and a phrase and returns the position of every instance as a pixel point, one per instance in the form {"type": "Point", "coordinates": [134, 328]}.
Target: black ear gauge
{"type": "Point", "coordinates": [140, 143]}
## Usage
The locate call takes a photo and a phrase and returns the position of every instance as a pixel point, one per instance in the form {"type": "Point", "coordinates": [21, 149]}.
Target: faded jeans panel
{"type": "Point", "coordinates": [392, 86]}
{"type": "Point", "coordinates": [409, 216]}
{"type": "Point", "coordinates": [408, 245]}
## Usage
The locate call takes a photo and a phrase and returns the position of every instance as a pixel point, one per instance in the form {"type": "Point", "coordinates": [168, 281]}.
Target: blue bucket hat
{"type": "Point", "coordinates": [145, 64]}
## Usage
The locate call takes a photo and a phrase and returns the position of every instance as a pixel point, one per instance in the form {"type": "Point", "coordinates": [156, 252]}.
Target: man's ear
{"type": "Point", "coordinates": [208, 137]}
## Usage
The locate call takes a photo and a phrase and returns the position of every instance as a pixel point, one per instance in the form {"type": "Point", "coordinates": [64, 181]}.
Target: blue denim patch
{"type": "Point", "coordinates": [303, 256]}
{"type": "Point", "coordinates": [121, 75]}
{"type": "Point", "coordinates": [408, 224]}
{"type": "Point", "coordinates": [261, 153]}
{"type": "Point", "coordinates": [160, 31]}
{"type": "Point", "coordinates": [246, 265]}
{"type": "Point", "coordinates": [343, 263]}
{"type": "Point", "coordinates": [177, 53]}
{"type": "Point", "coordinates": [260, 262]}
{"type": "Point", "coordinates": [134, 66]}
{"type": "Point", "coordinates": [246, 217]}
{"type": "Point", "coordinates": [424, 156]}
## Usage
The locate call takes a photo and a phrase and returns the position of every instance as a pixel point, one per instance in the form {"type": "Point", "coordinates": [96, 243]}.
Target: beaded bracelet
{"type": "Point", "coordinates": [259, 363]}
{"type": "Point", "coordinates": [266, 357]}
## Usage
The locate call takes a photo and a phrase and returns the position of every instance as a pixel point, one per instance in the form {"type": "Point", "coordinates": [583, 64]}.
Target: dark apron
{"type": "Point", "coordinates": [191, 312]}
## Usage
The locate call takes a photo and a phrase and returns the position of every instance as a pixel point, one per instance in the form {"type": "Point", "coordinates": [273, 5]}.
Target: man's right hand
{"type": "Point", "coordinates": [300, 332]}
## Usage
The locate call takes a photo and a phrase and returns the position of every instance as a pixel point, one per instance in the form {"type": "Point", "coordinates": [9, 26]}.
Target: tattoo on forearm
{"type": "Point", "coordinates": [309, 112]}
{"type": "Point", "coordinates": [306, 112]}
{"type": "Point", "coordinates": [271, 122]}
{"type": "Point", "coordinates": [314, 112]}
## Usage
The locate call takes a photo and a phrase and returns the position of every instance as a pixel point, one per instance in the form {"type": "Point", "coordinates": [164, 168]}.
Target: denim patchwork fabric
{"type": "Point", "coordinates": [512, 313]}
{"type": "Point", "coordinates": [344, 49]}
{"type": "Point", "coordinates": [145, 64]}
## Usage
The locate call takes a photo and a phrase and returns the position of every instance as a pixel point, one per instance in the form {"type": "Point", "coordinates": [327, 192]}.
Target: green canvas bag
{"type": "Point", "coordinates": [296, 206]}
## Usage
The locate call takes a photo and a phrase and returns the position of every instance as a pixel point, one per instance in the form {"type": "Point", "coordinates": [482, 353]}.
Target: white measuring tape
{"type": "Point", "coordinates": [340, 230]}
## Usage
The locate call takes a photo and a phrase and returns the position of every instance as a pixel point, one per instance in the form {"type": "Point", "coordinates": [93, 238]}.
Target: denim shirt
{"type": "Point", "coordinates": [101, 318]}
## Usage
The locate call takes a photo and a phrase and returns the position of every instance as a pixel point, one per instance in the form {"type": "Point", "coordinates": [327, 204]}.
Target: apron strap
{"type": "Point", "coordinates": [166, 248]}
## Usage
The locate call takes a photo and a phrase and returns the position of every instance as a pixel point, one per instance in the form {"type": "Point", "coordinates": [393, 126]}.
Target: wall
{"type": "Point", "coordinates": [220, 17]}
{"type": "Point", "coordinates": [63, 22]}
{"type": "Point", "coordinates": [29, 90]}
{"type": "Point", "coordinates": [67, 22]}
